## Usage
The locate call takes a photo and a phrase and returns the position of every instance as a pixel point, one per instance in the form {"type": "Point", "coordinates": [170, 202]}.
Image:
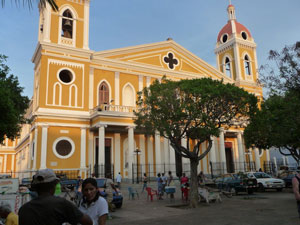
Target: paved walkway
{"type": "Point", "coordinates": [269, 208]}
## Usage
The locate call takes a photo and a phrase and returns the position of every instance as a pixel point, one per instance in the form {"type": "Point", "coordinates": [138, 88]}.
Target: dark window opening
{"type": "Point", "coordinates": [67, 24]}
{"type": "Point", "coordinates": [63, 147]}
{"type": "Point", "coordinates": [244, 35]}
{"type": "Point", "coordinates": [247, 65]}
{"type": "Point", "coordinates": [66, 76]}
{"type": "Point", "coordinates": [224, 38]}
{"type": "Point", "coordinates": [227, 67]}
{"type": "Point", "coordinates": [103, 93]}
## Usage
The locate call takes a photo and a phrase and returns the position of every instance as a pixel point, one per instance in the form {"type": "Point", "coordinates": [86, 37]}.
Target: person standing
{"type": "Point", "coordinates": [119, 180]}
{"type": "Point", "coordinates": [164, 182]}
{"type": "Point", "coordinates": [159, 186]}
{"type": "Point", "coordinates": [145, 181]}
{"type": "Point", "coordinates": [48, 209]}
{"type": "Point", "coordinates": [92, 203]}
{"type": "Point", "coordinates": [6, 213]}
{"type": "Point", "coordinates": [170, 179]}
{"type": "Point", "coordinates": [109, 190]}
{"type": "Point", "coordinates": [296, 190]}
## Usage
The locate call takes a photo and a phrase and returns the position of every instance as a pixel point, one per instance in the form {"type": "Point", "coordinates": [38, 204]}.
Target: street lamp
{"type": "Point", "coordinates": [137, 152]}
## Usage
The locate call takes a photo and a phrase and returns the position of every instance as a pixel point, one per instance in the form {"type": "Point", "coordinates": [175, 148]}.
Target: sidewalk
{"type": "Point", "coordinates": [269, 208]}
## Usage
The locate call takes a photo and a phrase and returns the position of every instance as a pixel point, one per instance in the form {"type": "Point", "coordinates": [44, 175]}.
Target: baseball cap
{"type": "Point", "coordinates": [44, 176]}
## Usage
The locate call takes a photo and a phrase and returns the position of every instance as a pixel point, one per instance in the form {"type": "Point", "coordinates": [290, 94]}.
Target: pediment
{"type": "Point", "coordinates": [167, 55]}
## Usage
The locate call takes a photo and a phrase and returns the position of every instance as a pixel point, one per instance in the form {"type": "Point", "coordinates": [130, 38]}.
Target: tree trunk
{"type": "Point", "coordinates": [193, 195]}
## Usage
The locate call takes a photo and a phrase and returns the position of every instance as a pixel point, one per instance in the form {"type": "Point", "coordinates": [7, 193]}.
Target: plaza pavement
{"type": "Point", "coordinates": [268, 208]}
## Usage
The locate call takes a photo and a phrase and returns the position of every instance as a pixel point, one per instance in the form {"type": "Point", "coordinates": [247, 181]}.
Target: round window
{"type": "Point", "coordinates": [224, 38]}
{"type": "Point", "coordinates": [244, 35]}
{"type": "Point", "coordinates": [63, 147]}
{"type": "Point", "coordinates": [66, 76]}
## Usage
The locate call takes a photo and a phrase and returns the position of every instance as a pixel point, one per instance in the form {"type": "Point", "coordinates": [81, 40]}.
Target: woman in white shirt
{"type": "Point", "coordinates": [92, 203]}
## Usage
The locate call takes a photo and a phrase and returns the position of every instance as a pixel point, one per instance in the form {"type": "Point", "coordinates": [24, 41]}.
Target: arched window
{"type": "Point", "coordinates": [103, 93]}
{"type": "Point", "coordinates": [227, 67]}
{"type": "Point", "coordinates": [247, 65]}
{"type": "Point", "coordinates": [67, 24]}
{"type": "Point", "coordinates": [128, 96]}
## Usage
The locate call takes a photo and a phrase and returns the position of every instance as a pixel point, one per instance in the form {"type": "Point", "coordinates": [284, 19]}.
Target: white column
{"type": "Point", "coordinates": [150, 152]}
{"type": "Point", "coordinates": [44, 147]}
{"type": "Point", "coordinates": [241, 151]}
{"type": "Point", "coordinates": [130, 150]}
{"type": "Point", "coordinates": [222, 150]}
{"type": "Point", "coordinates": [91, 149]}
{"type": "Point", "coordinates": [166, 153]}
{"type": "Point", "coordinates": [143, 152]}
{"type": "Point", "coordinates": [117, 88]}
{"type": "Point", "coordinates": [86, 25]}
{"type": "Point", "coordinates": [237, 63]}
{"type": "Point", "coordinates": [185, 161]}
{"type": "Point", "coordinates": [117, 137]}
{"type": "Point", "coordinates": [212, 152]}
{"type": "Point", "coordinates": [275, 164]}
{"type": "Point", "coordinates": [5, 163]}
{"type": "Point", "coordinates": [91, 90]}
{"type": "Point", "coordinates": [101, 147]}
{"type": "Point", "coordinates": [141, 82]}
{"type": "Point", "coordinates": [35, 148]}
{"type": "Point", "coordinates": [47, 23]}
{"type": "Point", "coordinates": [268, 154]}
{"type": "Point", "coordinates": [157, 152]}
{"type": "Point", "coordinates": [204, 160]}
{"type": "Point", "coordinates": [283, 160]}
{"type": "Point", "coordinates": [172, 158]}
{"type": "Point", "coordinates": [257, 159]}
{"type": "Point", "coordinates": [13, 163]}
{"type": "Point", "coordinates": [83, 149]}
{"type": "Point", "coordinates": [148, 81]}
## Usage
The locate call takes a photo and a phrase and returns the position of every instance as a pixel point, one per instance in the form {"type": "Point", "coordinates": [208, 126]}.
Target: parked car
{"type": "Point", "coordinates": [265, 181]}
{"type": "Point", "coordinates": [236, 183]}
{"type": "Point", "coordinates": [117, 197]}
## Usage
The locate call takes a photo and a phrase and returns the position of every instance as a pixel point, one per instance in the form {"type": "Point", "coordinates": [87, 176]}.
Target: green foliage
{"type": "Point", "coordinates": [193, 109]}
{"type": "Point", "coordinates": [277, 124]}
{"type": "Point", "coordinates": [29, 2]}
{"type": "Point", "coordinates": [12, 103]}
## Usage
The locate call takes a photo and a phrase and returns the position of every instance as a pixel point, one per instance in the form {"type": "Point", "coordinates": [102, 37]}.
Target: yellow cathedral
{"type": "Point", "coordinates": [83, 101]}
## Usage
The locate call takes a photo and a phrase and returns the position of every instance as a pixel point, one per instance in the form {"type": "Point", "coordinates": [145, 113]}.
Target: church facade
{"type": "Point", "coordinates": [83, 101]}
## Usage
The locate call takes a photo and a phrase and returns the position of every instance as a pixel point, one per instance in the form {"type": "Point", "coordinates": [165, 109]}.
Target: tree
{"type": "Point", "coordinates": [285, 76]}
{"type": "Point", "coordinates": [42, 2]}
{"type": "Point", "coordinates": [277, 124]}
{"type": "Point", "coordinates": [192, 109]}
{"type": "Point", "coordinates": [12, 104]}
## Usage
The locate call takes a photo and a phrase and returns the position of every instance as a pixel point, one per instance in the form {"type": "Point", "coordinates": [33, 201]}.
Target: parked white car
{"type": "Point", "coordinates": [265, 181]}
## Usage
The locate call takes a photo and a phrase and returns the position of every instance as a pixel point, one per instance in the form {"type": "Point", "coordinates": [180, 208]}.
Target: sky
{"type": "Point", "coordinates": [194, 24]}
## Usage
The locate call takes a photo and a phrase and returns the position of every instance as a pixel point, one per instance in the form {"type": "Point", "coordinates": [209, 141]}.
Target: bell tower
{"type": "Point", "coordinates": [69, 26]}
{"type": "Point", "coordinates": [236, 51]}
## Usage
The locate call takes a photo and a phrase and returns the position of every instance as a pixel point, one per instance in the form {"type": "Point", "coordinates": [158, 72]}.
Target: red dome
{"type": "Point", "coordinates": [228, 29]}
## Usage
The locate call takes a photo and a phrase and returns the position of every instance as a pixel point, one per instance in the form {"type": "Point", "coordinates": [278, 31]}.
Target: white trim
{"type": "Point", "coordinates": [54, 94]}
{"type": "Point", "coordinates": [117, 88]}
{"type": "Point", "coordinates": [236, 53]}
{"type": "Point", "coordinates": [230, 64]}
{"type": "Point", "coordinates": [148, 81]}
{"type": "Point", "coordinates": [91, 89]}
{"type": "Point", "coordinates": [117, 161]}
{"type": "Point", "coordinates": [44, 147]}
{"type": "Point", "coordinates": [86, 25]}
{"type": "Point", "coordinates": [62, 112]}
{"type": "Point", "coordinates": [167, 55]}
{"type": "Point", "coordinates": [70, 95]}
{"type": "Point", "coordinates": [5, 163]}
{"type": "Point", "coordinates": [70, 64]}
{"type": "Point", "coordinates": [12, 163]}
{"type": "Point", "coordinates": [124, 96]}
{"type": "Point", "coordinates": [221, 38]}
{"type": "Point", "coordinates": [35, 147]}
{"type": "Point", "coordinates": [109, 90]}
{"type": "Point", "coordinates": [74, 19]}
{"type": "Point", "coordinates": [83, 148]}
{"type": "Point", "coordinates": [72, 72]}
{"type": "Point", "coordinates": [60, 139]}
{"type": "Point", "coordinates": [62, 125]}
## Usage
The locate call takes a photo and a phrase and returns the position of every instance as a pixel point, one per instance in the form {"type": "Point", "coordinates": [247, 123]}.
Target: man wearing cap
{"type": "Point", "coordinates": [48, 209]}
{"type": "Point", "coordinates": [6, 213]}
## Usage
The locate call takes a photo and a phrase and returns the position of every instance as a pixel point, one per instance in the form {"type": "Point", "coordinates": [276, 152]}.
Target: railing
{"type": "Point", "coordinates": [114, 108]}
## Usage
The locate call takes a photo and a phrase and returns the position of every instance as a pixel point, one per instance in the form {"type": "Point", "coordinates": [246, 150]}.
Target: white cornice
{"type": "Point", "coordinates": [62, 113]}
{"type": "Point", "coordinates": [221, 47]}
